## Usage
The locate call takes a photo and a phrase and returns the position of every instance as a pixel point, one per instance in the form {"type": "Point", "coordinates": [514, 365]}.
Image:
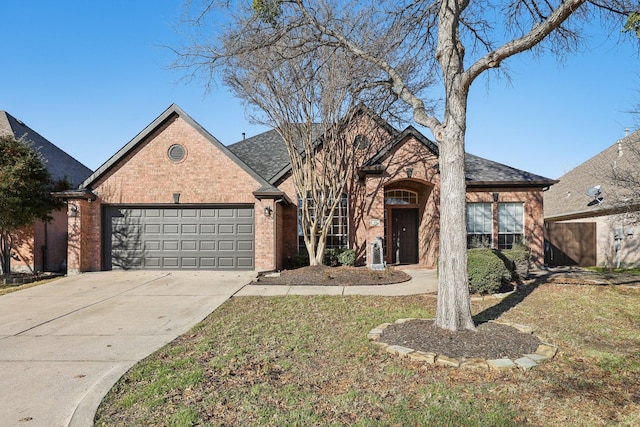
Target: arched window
{"type": "Point", "coordinates": [400, 197]}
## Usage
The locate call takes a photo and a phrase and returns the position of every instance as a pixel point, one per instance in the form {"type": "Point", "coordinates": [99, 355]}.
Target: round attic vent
{"type": "Point", "coordinates": [176, 152]}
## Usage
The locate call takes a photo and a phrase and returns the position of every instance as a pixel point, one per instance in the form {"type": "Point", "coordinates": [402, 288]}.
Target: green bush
{"type": "Point", "coordinates": [487, 270]}
{"type": "Point", "coordinates": [518, 258]}
{"type": "Point", "coordinates": [301, 259]}
{"type": "Point", "coordinates": [347, 257]}
{"type": "Point", "coordinates": [335, 257]}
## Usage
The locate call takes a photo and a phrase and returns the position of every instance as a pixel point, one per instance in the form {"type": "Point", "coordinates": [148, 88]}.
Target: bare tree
{"type": "Point", "coordinates": [309, 93]}
{"type": "Point", "coordinates": [464, 39]}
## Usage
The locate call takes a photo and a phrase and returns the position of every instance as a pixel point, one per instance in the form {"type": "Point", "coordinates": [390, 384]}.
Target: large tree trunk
{"type": "Point", "coordinates": [453, 306]}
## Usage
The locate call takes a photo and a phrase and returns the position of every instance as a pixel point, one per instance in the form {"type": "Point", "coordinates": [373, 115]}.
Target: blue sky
{"type": "Point", "coordinates": [90, 75]}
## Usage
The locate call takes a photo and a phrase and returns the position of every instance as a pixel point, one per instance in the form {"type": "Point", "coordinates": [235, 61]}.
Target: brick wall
{"type": "Point", "coordinates": [533, 214]}
{"type": "Point", "coordinates": [147, 176]}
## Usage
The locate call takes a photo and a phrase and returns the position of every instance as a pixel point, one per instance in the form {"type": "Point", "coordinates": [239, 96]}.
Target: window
{"type": "Point", "coordinates": [176, 152]}
{"type": "Point", "coordinates": [400, 197]}
{"type": "Point", "coordinates": [338, 236]}
{"type": "Point", "coordinates": [361, 142]}
{"type": "Point", "coordinates": [510, 224]}
{"type": "Point", "coordinates": [479, 225]}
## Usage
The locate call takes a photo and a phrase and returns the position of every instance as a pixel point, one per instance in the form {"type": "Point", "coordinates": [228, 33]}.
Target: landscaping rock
{"type": "Point", "coordinates": [501, 364]}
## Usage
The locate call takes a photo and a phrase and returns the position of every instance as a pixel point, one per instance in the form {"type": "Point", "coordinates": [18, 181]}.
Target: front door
{"type": "Point", "coordinates": [404, 236]}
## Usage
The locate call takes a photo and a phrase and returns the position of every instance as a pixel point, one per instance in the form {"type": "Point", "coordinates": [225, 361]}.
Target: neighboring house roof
{"type": "Point", "coordinates": [173, 109]}
{"type": "Point", "coordinates": [59, 164]}
{"type": "Point", "coordinates": [568, 198]}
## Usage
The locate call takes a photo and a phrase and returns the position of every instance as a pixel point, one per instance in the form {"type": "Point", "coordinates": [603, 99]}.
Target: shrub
{"type": "Point", "coordinates": [486, 271]}
{"type": "Point", "coordinates": [300, 260]}
{"type": "Point", "coordinates": [347, 257]}
{"type": "Point", "coordinates": [334, 257]}
{"type": "Point", "coordinates": [518, 258]}
{"type": "Point", "coordinates": [331, 257]}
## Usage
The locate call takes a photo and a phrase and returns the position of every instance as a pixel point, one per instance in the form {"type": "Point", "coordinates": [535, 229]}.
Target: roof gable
{"type": "Point", "coordinates": [478, 171]}
{"type": "Point", "coordinates": [267, 153]}
{"type": "Point", "coordinates": [59, 164]}
{"type": "Point", "coordinates": [173, 110]}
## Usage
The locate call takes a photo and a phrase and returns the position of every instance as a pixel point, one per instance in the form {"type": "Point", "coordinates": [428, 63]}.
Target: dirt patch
{"type": "Point", "coordinates": [334, 276]}
{"type": "Point", "coordinates": [489, 341]}
{"type": "Point", "coordinates": [579, 276]}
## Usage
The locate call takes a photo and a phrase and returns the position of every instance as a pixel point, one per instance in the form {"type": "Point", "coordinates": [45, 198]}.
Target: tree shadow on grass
{"type": "Point", "coordinates": [512, 300]}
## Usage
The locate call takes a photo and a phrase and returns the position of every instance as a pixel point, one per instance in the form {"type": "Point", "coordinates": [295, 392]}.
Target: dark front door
{"type": "Point", "coordinates": [404, 236]}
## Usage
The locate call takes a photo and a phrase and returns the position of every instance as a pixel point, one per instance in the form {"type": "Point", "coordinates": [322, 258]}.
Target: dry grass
{"type": "Point", "coordinates": [306, 361]}
{"type": "Point", "coordinates": [7, 289]}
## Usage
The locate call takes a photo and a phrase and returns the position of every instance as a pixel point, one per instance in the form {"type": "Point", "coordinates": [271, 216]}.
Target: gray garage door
{"type": "Point", "coordinates": [212, 238]}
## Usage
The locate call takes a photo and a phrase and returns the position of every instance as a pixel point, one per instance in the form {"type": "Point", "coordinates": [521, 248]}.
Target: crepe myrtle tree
{"type": "Point", "coordinates": [311, 93]}
{"type": "Point", "coordinates": [25, 193]}
{"type": "Point", "coordinates": [463, 40]}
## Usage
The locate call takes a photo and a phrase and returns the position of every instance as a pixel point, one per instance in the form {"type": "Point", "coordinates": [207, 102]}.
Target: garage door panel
{"type": "Point", "coordinates": [152, 245]}
{"type": "Point", "coordinates": [226, 262]}
{"type": "Point", "coordinates": [207, 229]}
{"type": "Point", "coordinates": [226, 229]}
{"type": "Point", "coordinates": [189, 245]}
{"type": "Point", "coordinates": [245, 213]}
{"type": "Point", "coordinates": [170, 245]}
{"type": "Point", "coordinates": [176, 237]}
{"type": "Point", "coordinates": [152, 229]}
{"type": "Point", "coordinates": [245, 245]}
{"type": "Point", "coordinates": [245, 229]}
{"type": "Point", "coordinates": [207, 245]}
{"type": "Point", "coordinates": [245, 262]}
{"type": "Point", "coordinates": [189, 229]}
{"type": "Point", "coordinates": [170, 262]}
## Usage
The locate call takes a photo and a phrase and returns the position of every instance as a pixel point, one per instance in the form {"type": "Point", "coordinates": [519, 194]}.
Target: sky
{"type": "Point", "coordinates": [90, 75]}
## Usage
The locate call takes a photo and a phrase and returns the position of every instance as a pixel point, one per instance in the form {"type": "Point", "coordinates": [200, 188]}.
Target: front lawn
{"type": "Point", "coordinates": [299, 360]}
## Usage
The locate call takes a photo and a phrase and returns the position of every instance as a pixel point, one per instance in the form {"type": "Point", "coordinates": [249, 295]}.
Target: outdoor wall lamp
{"type": "Point", "coordinates": [267, 211]}
{"type": "Point", "coordinates": [176, 198]}
{"type": "Point", "coordinates": [73, 210]}
{"type": "Point", "coordinates": [409, 172]}
{"type": "Point", "coordinates": [496, 196]}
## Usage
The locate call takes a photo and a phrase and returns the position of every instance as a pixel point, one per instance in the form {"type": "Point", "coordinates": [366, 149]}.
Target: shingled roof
{"type": "Point", "coordinates": [266, 153]}
{"type": "Point", "coordinates": [60, 164]}
{"type": "Point", "coordinates": [568, 199]}
{"type": "Point", "coordinates": [479, 172]}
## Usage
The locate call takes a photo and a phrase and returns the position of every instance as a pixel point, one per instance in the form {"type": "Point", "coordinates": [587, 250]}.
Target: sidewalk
{"type": "Point", "coordinates": [422, 281]}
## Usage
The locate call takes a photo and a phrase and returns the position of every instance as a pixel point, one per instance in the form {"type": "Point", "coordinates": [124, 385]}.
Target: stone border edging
{"type": "Point", "coordinates": [545, 351]}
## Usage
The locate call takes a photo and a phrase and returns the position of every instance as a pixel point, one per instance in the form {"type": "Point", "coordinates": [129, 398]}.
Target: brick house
{"type": "Point", "coordinates": [592, 215]}
{"type": "Point", "coordinates": [43, 247]}
{"type": "Point", "coordinates": [175, 197]}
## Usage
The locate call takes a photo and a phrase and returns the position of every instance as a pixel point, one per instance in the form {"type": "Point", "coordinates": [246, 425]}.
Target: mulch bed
{"type": "Point", "coordinates": [489, 341]}
{"type": "Point", "coordinates": [322, 275]}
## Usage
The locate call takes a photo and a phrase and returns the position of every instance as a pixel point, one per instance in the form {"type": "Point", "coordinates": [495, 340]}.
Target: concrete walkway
{"type": "Point", "coordinates": [422, 282]}
{"type": "Point", "coordinates": [64, 344]}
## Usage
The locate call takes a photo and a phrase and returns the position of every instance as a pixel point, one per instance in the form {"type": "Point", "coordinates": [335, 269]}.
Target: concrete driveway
{"type": "Point", "coordinates": [64, 344]}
